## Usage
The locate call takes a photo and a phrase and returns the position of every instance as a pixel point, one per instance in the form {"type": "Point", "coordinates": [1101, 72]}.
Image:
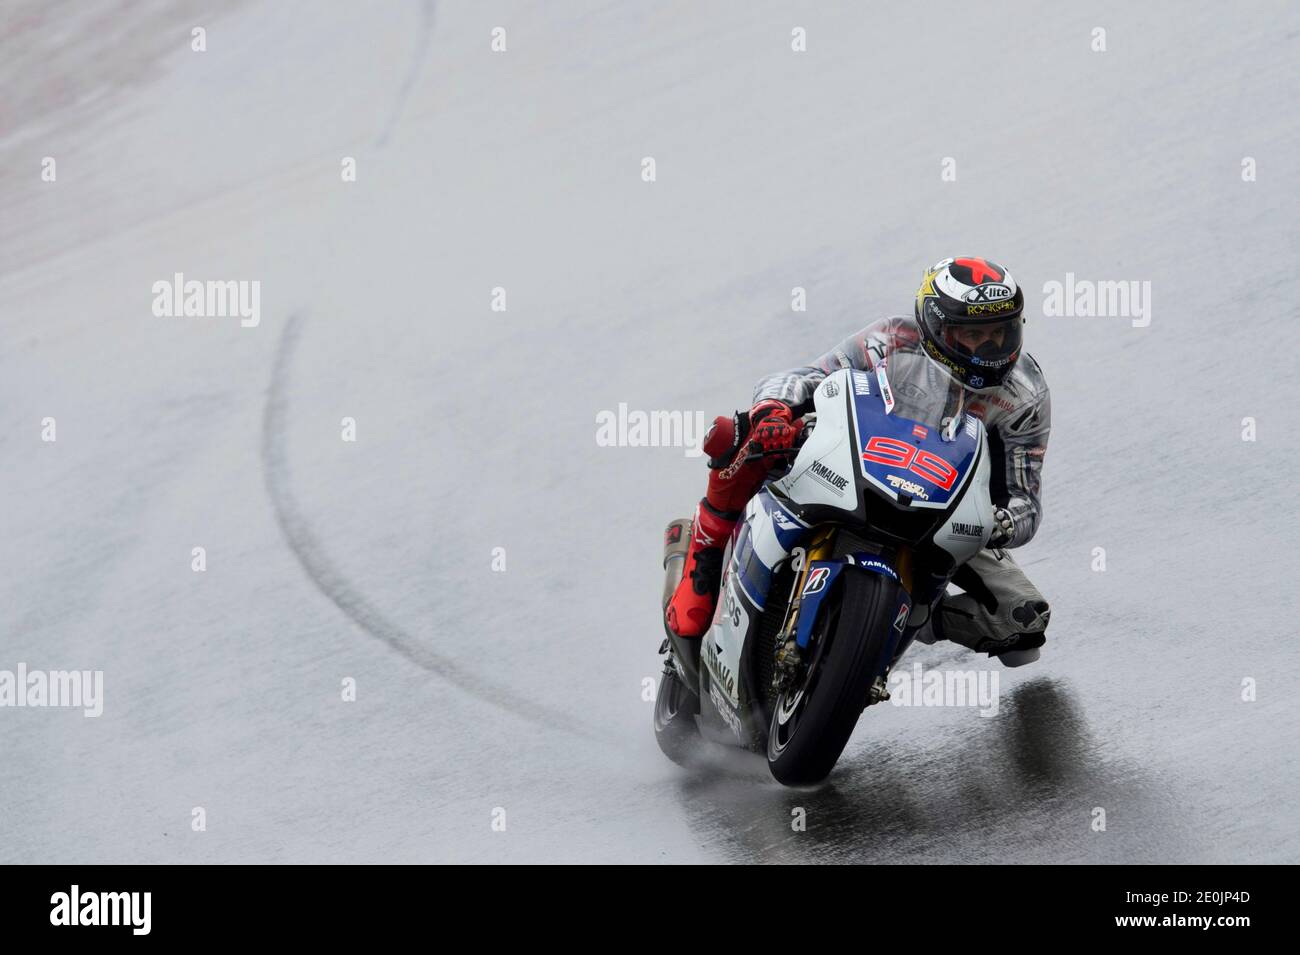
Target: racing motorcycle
{"type": "Point", "coordinates": [834, 568]}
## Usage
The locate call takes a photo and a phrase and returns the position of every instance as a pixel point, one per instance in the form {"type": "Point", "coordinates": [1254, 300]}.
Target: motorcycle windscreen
{"type": "Point", "coordinates": [910, 460]}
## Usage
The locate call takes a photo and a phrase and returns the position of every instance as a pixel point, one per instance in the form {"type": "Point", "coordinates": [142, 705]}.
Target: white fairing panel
{"type": "Point", "coordinates": [726, 638]}
{"type": "Point", "coordinates": [823, 471]}
{"type": "Point", "coordinates": [968, 528]}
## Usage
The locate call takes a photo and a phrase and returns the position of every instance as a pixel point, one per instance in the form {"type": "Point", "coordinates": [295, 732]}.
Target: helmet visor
{"type": "Point", "coordinates": [990, 345]}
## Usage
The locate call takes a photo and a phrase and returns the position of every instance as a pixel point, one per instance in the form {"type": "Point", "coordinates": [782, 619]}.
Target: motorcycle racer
{"type": "Point", "coordinates": [960, 352]}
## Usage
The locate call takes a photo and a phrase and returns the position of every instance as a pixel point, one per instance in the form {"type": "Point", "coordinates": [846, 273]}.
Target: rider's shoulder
{"type": "Point", "coordinates": [1022, 402]}
{"type": "Point", "coordinates": [1027, 381]}
{"type": "Point", "coordinates": [893, 332]}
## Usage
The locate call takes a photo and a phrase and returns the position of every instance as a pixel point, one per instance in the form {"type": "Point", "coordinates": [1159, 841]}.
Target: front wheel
{"type": "Point", "coordinates": [675, 709]}
{"type": "Point", "coordinates": [813, 720]}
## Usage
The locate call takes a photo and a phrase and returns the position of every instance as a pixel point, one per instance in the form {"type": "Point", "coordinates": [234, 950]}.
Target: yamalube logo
{"type": "Point", "coordinates": [235, 298]}
{"type": "Point", "coordinates": [102, 908]}
{"type": "Point", "coordinates": [836, 482]}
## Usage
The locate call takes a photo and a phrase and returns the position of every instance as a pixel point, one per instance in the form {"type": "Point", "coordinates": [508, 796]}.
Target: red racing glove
{"type": "Point", "coordinates": [771, 426]}
{"type": "Point", "coordinates": [732, 478]}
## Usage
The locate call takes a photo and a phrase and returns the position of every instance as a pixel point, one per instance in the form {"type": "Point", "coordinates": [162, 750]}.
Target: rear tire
{"type": "Point", "coordinates": [811, 724]}
{"type": "Point", "coordinates": [675, 709]}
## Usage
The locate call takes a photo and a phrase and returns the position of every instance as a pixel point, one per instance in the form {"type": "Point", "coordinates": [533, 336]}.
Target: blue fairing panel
{"type": "Point", "coordinates": [821, 574]}
{"type": "Point", "coordinates": [765, 538]}
{"type": "Point", "coordinates": [905, 458]}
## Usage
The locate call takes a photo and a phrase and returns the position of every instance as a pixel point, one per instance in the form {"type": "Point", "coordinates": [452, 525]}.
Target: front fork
{"type": "Point", "coordinates": [793, 640]}
{"type": "Point", "coordinates": [789, 656]}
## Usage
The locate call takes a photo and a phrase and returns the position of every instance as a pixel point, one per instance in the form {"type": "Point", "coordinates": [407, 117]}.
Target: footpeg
{"type": "Point", "coordinates": [878, 693]}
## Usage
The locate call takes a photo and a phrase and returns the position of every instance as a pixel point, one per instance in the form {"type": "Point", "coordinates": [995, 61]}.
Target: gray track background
{"type": "Point", "coordinates": [476, 429]}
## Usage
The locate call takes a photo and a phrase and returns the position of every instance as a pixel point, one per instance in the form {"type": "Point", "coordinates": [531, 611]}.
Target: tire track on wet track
{"type": "Point", "coordinates": [340, 591]}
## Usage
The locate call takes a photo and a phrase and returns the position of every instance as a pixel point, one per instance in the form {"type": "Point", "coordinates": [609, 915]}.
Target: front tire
{"type": "Point", "coordinates": [811, 723]}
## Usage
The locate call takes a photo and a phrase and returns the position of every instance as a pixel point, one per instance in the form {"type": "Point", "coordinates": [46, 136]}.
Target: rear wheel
{"type": "Point", "coordinates": [675, 709]}
{"type": "Point", "coordinates": [812, 721]}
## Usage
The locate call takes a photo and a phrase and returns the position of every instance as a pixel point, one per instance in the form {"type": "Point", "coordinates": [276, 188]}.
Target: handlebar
{"type": "Point", "coordinates": [809, 422]}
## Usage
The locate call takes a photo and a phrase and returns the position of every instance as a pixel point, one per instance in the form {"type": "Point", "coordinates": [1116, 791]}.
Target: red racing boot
{"type": "Point", "coordinates": [690, 611]}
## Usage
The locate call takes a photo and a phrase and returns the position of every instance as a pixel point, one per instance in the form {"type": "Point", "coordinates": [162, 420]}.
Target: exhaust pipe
{"type": "Point", "coordinates": [677, 541]}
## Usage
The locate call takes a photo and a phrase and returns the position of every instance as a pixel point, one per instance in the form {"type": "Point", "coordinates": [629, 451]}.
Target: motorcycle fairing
{"type": "Point", "coordinates": [909, 462]}
{"type": "Point", "coordinates": [763, 539]}
{"type": "Point", "coordinates": [817, 584]}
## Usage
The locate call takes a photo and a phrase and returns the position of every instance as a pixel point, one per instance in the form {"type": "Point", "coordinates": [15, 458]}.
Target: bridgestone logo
{"type": "Point", "coordinates": [821, 471]}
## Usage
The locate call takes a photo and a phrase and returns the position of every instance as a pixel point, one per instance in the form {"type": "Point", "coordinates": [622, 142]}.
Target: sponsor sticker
{"type": "Point", "coordinates": [990, 292]}
{"type": "Point", "coordinates": [725, 711]}
{"type": "Point", "coordinates": [873, 563]}
{"type": "Point", "coordinates": [816, 582]}
{"type": "Point", "coordinates": [885, 391]}
{"type": "Point", "coordinates": [904, 486]}
{"type": "Point", "coordinates": [784, 520]}
{"type": "Point", "coordinates": [991, 308]}
{"type": "Point", "coordinates": [718, 670]}
{"type": "Point", "coordinates": [831, 479]}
